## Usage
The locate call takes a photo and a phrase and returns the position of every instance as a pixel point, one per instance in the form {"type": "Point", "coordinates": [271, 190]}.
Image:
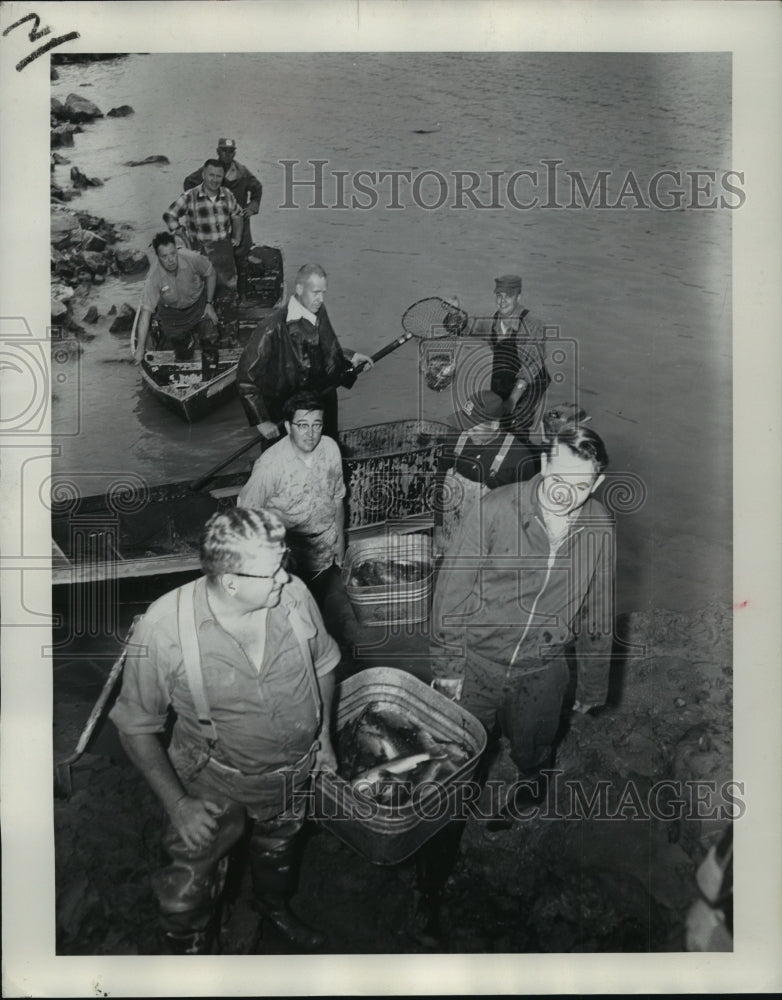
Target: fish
{"type": "Point", "coordinates": [400, 765]}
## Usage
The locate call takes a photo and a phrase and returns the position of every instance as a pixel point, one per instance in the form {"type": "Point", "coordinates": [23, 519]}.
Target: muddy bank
{"type": "Point", "coordinates": [621, 880]}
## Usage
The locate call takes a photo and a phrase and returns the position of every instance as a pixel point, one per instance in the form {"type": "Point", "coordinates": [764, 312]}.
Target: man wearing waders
{"type": "Point", "coordinates": [242, 657]}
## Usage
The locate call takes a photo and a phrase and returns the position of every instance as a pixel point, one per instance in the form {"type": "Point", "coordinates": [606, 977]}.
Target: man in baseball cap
{"type": "Point", "coordinates": [248, 191]}
{"type": "Point", "coordinates": [478, 457]}
{"type": "Point", "coordinates": [519, 375]}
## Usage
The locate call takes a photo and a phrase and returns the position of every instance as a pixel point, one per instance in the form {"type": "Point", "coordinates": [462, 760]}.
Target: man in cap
{"type": "Point", "coordinates": [211, 220]}
{"type": "Point", "coordinates": [477, 458]}
{"type": "Point", "coordinates": [247, 190]}
{"type": "Point", "coordinates": [519, 375]}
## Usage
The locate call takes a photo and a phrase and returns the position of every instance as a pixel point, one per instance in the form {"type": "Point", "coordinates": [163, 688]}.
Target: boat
{"type": "Point", "coordinates": [183, 386]}
{"type": "Point", "coordinates": [136, 531]}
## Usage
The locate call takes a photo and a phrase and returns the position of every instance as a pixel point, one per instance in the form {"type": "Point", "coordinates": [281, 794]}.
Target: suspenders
{"type": "Point", "coordinates": [499, 458]}
{"type": "Point", "coordinates": [188, 639]}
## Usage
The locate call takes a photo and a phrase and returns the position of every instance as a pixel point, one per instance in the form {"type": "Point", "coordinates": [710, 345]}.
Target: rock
{"type": "Point", "coordinates": [62, 135]}
{"type": "Point", "coordinates": [65, 228]}
{"type": "Point", "coordinates": [92, 241]}
{"type": "Point", "coordinates": [123, 322]}
{"type": "Point", "coordinates": [91, 316]}
{"type": "Point", "coordinates": [98, 279]}
{"type": "Point", "coordinates": [57, 158]}
{"type": "Point", "coordinates": [132, 261]}
{"type": "Point", "coordinates": [59, 310]}
{"type": "Point", "coordinates": [57, 108]}
{"type": "Point", "coordinates": [53, 74]}
{"type": "Point", "coordinates": [121, 112]}
{"type": "Point", "coordinates": [78, 109]}
{"type": "Point", "coordinates": [149, 159]}
{"type": "Point", "coordinates": [93, 261]}
{"type": "Point", "coordinates": [59, 194]}
{"type": "Point", "coordinates": [62, 293]}
{"type": "Point", "coordinates": [113, 311]}
{"type": "Point", "coordinates": [79, 179]}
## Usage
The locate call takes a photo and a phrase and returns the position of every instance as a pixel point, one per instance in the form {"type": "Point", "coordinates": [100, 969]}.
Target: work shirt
{"type": "Point", "coordinates": [265, 715]}
{"type": "Point", "coordinates": [240, 181]}
{"type": "Point", "coordinates": [506, 594]}
{"type": "Point", "coordinates": [304, 490]}
{"type": "Point", "coordinates": [180, 289]}
{"type": "Point", "coordinates": [206, 220]}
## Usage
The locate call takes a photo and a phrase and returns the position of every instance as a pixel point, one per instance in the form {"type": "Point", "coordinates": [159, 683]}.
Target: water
{"type": "Point", "coordinates": [642, 296]}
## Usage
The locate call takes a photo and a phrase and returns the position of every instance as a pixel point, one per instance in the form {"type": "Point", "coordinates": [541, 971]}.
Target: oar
{"type": "Point", "coordinates": [347, 380]}
{"type": "Point", "coordinates": [62, 769]}
{"type": "Point", "coordinates": [203, 480]}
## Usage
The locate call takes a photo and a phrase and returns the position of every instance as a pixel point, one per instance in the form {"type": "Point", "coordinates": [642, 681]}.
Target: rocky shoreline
{"type": "Point", "coordinates": [86, 250]}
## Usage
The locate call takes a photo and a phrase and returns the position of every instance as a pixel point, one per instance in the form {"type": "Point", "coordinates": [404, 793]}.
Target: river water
{"type": "Point", "coordinates": [640, 296]}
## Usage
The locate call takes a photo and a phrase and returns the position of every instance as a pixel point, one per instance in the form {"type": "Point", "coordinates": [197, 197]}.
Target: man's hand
{"type": "Point", "coordinates": [582, 708]}
{"type": "Point", "coordinates": [251, 209]}
{"type": "Point", "coordinates": [451, 687]}
{"type": "Point", "coordinates": [209, 312]}
{"type": "Point", "coordinates": [195, 822]}
{"type": "Point", "coordinates": [235, 241]}
{"type": "Point", "coordinates": [138, 355]}
{"type": "Point", "coordinates": [268, 430]}
{"type": "Point", "coordinates": [360, 359]}
{"type": "Point", "coordinates": [516, 394]}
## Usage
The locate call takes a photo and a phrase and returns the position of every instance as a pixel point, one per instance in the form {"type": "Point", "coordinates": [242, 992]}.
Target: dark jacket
{"type": "Point", "coordinates": [506, 597]}
{"type": "Point", "coordinates": [281, 358]}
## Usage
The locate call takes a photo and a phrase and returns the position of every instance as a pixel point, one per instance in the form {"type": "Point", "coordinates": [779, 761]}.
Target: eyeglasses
{"type": "Point", "coordinates": [267, 576]}
{"type": "Point", "coordinates": [301, 426]}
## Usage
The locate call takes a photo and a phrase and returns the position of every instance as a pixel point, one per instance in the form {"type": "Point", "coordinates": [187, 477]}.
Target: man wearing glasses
{"type": "Point", "coordinates": [300, 479]}
{"type": "Point", "coordinates": [242, 657]}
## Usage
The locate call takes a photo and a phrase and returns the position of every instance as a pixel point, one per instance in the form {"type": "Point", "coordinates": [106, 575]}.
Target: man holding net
{"type": "Point", "coordinates": [516, 339]}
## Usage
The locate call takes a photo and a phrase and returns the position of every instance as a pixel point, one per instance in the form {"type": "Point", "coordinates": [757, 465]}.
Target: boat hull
{"type": "Point", "coordinates": [168, 381]}
{"type": "Point", "coordinates": [390, 475]}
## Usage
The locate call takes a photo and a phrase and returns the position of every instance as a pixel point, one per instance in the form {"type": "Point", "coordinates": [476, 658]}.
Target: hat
{"type": "Point", "coordinates": [480, 407]}
{"type": "Point", "coordinates": [508, 283]}
{"type": "Point", "coordinates": [226, 143]}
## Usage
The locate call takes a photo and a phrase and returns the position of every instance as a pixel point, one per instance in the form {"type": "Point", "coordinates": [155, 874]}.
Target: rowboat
{"type": "Point", "coordinates": [184, 386]}
{"type": "Point", "coordinates": [135, 531]}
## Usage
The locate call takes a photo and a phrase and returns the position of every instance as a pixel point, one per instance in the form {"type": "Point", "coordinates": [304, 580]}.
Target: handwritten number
{"type": "Point", "coordinates": [45, 48]}
{"type": "Point", "coordinates": [34, 34]}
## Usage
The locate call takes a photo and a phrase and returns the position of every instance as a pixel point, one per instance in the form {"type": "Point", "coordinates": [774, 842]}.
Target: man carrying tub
{"type": "Point", "coordinates": [242, 657]}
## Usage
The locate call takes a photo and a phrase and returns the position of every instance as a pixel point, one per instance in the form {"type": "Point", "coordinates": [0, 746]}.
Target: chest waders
{"type": "Point", "coordinates": [270, 845]}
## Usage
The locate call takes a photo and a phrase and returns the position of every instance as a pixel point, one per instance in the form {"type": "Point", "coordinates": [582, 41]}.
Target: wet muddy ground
{"type": "Point", "coordinates": [620, 881]}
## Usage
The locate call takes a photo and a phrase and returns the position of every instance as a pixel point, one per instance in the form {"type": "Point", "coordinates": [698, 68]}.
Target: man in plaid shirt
{"type": "Point", "coordinates": [212, 221]}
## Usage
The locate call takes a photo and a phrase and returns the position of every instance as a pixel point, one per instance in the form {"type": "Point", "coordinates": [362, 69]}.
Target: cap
{"type": "Point", "coordinates": [226, 143]}
{"type": "Point", "coordinates": [508, 283]}
{"type": "Point", "coordinates": [480, 407]}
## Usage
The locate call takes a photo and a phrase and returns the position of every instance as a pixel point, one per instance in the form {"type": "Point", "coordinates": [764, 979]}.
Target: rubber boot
{"type": "Point", "coordinates": [209, 359]}
{"type": "Point", "coordinates": [275, 909]}
{"type": "Point", "coordinates": [272, 875]}
{"type": "Point", "coordinates": [199, 943]}
{"type": "Point", "coordinates": [241, 286]}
